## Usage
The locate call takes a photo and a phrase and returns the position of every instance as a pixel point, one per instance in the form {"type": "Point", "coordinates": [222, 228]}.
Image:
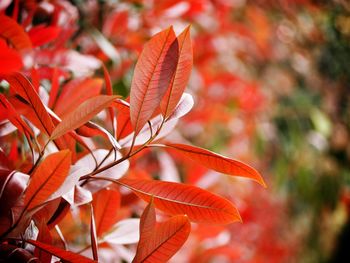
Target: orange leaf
{"type": "Point", "coordinates": [13, 116]}
{"type": "Point", "coordinates": [14, 33]}
{"type": "Point", "coordinates": [153, 72]}
{"type": "Point", "coordinates": [160, 241]}
{"type": "Point", "coordinates": [76, 92]}
{"type": "Point", "coordinates": [47, 178]}
{"type": "Point", "coordinates": [82, 114]}
{"type": "Point", "coordinates": [62, 254]}
{"type": "Point", "coordinates": [22, 86]}
{"type": "Point", "coordinates": [175, 198]}
{"type": "Point", "coordinates": [182, 74]}
{"type": "Point", "coordinates": [106, 205]}
{"type": "Point", "coordinates": [218, 162]}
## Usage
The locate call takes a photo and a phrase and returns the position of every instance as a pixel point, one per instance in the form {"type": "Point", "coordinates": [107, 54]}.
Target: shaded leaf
{"type": "Point", "coordinates": [47, 178]}
{"type": "Point", "coordinates": [12, 184]}
{"type": "Point", "coordinates": [182, 74]}
{"type": "Point", "coordinates": [106, 203]}
{"type": "Point", "coordinates": [62, 254]}
{"type": "Point", "coordinates": [82, 114]}
{"type": "Point", "coordinates": [14, 33]}
{"type": "Point", "coordinates": [175, 198]}
{"type": "Point", "coordinates": [153, 72]}
{"type": "Point", "coordinates": [218, 162]}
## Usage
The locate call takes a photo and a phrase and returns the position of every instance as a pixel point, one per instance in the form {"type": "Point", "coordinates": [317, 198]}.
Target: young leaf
{"type": "Point", "coordinates": [47, 178]}
{"type": "Point", "coordinates": [175, 198]}
{"type": "Point", "coordinates": [106, 205]}
{"type": "Point", "coordinates": [14, 33]}
{"type": "Point", "coordinates": [75, 92]}
{"type": "Point", "coordinates": [181, 76]}
{"type": "Point", "coordinates": [82, 114]}
{"type": "Point", "coordinates": [218, 162]}
{"type": "Point", "coordinates": [62, 254]}
{"type": "Point", "coordinates": [153, 72]}
{"type": "Point", "coordinates": [160, 241]}
{"type": "Point", "coordinates": [22, 86]}
{"type": "Point", "coordinates": [13, 116]}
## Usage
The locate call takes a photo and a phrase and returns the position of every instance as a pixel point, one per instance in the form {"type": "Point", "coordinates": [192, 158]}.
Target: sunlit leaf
{"type": "Point", "coordinates": [153, 72]}
{"type": "Point", "coordinates": [160, 241]}
{"type": "Point", "coordinates": [47, 178]}
{"type": "Point", "coordinates": [218, 162]}
{"type": "Point", "coordinates": [22, 86]}
{"type": "Point", "coordinates": [82, 114]}
{"type": "Point", "coordinates": [175, 198]}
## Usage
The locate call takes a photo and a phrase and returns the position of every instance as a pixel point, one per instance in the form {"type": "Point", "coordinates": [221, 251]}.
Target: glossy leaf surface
{"type": "Point", "coordinates": [218, 162]}
{"type": "Point", "coordinates": [160, 241]}
{"type": "Point", "coordinates": [153, 72]}
{"type": "Point", "coordinates": [82, 114]}
{"type": "Point", "coordinates": [106, 205]}
{"type": "Point", "coordinates": [175, 198]}
{"type": "Point", "coordinates": [47, 178]}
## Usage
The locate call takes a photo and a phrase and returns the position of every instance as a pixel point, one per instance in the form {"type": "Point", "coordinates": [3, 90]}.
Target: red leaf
{"type": "Point", "coordinates": [22, 86]}
{"type": "Point", "coordinates": [109, 91]}
{"type": "Point", "coordinates": [14, 33]}
{"type": "Point", "coordinates": [106, 205]}
{"type": "Point", "coordinates": [54, 87]}
{"type": "Point", "coordinates": [82, 114]}
{"type": "Point", "coordinates": [45, 237]}
{"type": "Point", "coordinates": [175, 198]}
{"type": "Point", "coordinates": [62, 254]}
{"type": "Point", "coordinates": [182, 74]}
{"type": "Point", "coordinates": [42, 34]}
{"type": "Point", "coordinates": [153, 72]}
{"type": "Point", "coordinates": [218, 162]}
{"type": "Point", "coordinates": [11, 60]}
{"type": "Point", "coordinates": [160, 241]}
{"type": "Point", "coordinates": [76, 92]}
{"type": "Point", "coordinates": [47, 178]}
{"type": "Point", "coordinates": [13, 116]}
